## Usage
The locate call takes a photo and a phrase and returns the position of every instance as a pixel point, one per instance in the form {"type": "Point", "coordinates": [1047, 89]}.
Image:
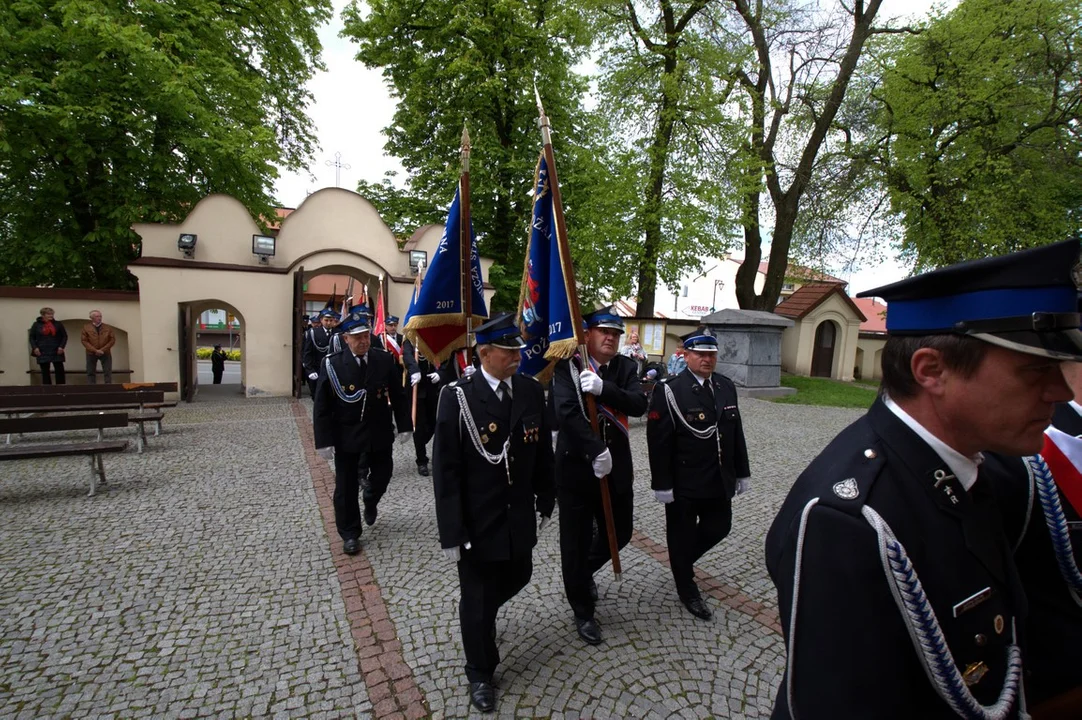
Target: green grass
{"type": "Point", "coordinates": [831, 393]}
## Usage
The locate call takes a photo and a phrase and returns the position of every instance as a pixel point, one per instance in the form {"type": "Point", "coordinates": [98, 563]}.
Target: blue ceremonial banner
{"type": "Point", "coordinates": [544, 304]}
{"type": "Point", "coordinates": [436, 320]}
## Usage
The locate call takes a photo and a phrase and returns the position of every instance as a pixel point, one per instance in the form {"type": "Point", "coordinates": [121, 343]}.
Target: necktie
{"type": "Point", "coordinates": [505, 396]}
{"type": "Point", "coordinates": [601, 371]}
{"type": "Point", "coordinates": [709, 390]}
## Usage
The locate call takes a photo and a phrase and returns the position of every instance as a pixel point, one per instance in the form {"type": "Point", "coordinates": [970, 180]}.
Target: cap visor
{"type": "Point", "coordinates": [1061, 345]}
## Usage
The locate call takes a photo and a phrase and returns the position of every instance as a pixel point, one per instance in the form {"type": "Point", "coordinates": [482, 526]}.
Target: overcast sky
{"type": "Point", "coordinates": [352, 106]}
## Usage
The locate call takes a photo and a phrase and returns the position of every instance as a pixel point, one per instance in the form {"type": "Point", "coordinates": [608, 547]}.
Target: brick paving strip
{"type": "Point", "coordinates": [391, 685]}
{"type": "Point", "coordinates": [728, 595]}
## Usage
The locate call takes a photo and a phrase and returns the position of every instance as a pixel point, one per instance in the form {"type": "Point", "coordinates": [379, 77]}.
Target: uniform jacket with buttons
{"type": "Point", "coordinates": [1054, 628]}
{"type": "Point", "coordinates": [317, 343]}
{"type": "Point", "coordinates": [577, 444]}
{"type": "Point", "coordinates": [476, 501]}
{"type": "Point", "coordinates": [360, 426]}
{"type": "Point", "coordinates": [688, 465]}
{"type": "Point", "coordinates": [850, 654]}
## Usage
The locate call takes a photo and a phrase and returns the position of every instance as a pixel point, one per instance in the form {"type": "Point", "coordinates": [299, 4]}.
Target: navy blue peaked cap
{"type": "Point", "coordinates": [605, 317]}
{"type": "Point", "coordinates": [356, 320]}
{"type": "Point", "coordinates": [501, 330]}
{"type": "Point", "coordinates": [1026, 301]}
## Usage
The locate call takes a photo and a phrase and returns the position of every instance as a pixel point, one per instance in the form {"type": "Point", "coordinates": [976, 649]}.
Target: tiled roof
{"type": "Point", "coordinates": [810, 296]}
{"type": "Point", "coordinates": [282, 214]}
{"type": "Point", "coordinates": [875, 311]}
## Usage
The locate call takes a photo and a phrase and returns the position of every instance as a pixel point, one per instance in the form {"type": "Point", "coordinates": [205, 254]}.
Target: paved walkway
{"type": "Point", "coordinates": [206, 580]}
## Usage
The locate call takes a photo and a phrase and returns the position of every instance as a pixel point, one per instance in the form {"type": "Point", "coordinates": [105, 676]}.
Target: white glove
{"type": "Point", "coordinates": [453, 554]}
{"type": "Point", "coordinates": [590, 382]}
{"type": "Point", "coordinates": [470, 370]}
{"type": "Point", "coordinates": [327, 453]}
{"type": "Point", "coordinates": [313, 376]}
{"type": "Point", "coordinates": [743, 485]}
{"type": "Point", "coordinates": [603, 463]}
{"type": "Point", "coordinates": [415, 378]}
{"type": "Point", "coordinates": [663, 496]}
{"type": "Point", "coordinates": [651, 373]}
{"type": "Point", "coordinates": [545, 520]}
{"type": "Point", "coordinates": [404, 436]}
{"type": "Point", "coordinates": [434, 378]}
{"type": "Point", "coordinates": [555, 434]}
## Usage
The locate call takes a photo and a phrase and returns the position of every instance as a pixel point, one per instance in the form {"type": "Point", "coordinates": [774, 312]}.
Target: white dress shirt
{"type": "Point", "coordinates": [964, 468]}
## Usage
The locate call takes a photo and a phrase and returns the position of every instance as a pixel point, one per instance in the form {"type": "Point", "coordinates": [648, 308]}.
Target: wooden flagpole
{"type": "Point", "coordinates": [576, 321]}
{"type": "Point", "coordinates": [465, 243]}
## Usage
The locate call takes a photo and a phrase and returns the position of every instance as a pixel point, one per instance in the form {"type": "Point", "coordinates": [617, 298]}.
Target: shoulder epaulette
{"type": "Point", "coordinates": [853, 478]}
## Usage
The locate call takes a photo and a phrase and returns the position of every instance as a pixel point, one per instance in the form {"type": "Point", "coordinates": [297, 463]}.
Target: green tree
{"type": "Point", "coordinates": [114, 112]}
{"type": "Point", "coordinates": [980, 113]}
{"type": "Point", "coordinates": [450, 62]}
{"type": "Point", "coordinates": [658, 93]}
{"type": "Point", "coordinates": [797, 62]}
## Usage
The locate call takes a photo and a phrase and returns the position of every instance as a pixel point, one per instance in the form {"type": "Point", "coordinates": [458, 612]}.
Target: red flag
{"type": "Point", "coordinates": [381, 324]}
{"type": "Point", "coordinates": [1063, 453]}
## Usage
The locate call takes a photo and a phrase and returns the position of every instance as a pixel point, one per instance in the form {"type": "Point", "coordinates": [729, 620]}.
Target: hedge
{"type": "Point", "coordinates": [204, 354]}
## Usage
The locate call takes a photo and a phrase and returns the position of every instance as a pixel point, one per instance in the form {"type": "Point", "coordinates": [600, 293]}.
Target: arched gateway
{"type": "Point", "coordinates": [334, 231]}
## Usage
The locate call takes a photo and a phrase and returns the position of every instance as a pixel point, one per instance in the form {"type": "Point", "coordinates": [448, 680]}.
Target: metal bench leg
{"type": "Point", "coordinates": [142, 437]}
{"type": "Point", "coordinates": [157, 428]}
{"type": "Point", "coordinates": [93, 475]}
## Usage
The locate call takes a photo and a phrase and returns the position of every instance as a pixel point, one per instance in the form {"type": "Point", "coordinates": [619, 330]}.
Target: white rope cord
{"type": "Point", "coordinates": [791, 650]}
{"type": "Point", "coordinates": [578, 389]}
{"type": "Point", "coordinates": [1058, 530]}
{"type": "Point", "coordinates": [475, 436]}
{"type": "Point", "coordinates": [927, 635]}
{"type": "Point", "coordinates": [321, 348]}
{"type": "Point", "coordinates": [360, 396]}
{"type": "Point", "coordinates": [1030, 492]}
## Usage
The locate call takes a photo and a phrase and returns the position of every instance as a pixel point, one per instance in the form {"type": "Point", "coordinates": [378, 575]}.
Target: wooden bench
{"type": "Point", "coordinates": [146, 402]}
{"type": "Point", "coordinates": [156, 418]}
{"type": "Point", "coordinates": [94, 450]}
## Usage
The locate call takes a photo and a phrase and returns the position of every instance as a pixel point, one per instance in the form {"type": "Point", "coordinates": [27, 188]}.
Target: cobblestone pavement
{"type": "Point", "coordinates": [206, 580]}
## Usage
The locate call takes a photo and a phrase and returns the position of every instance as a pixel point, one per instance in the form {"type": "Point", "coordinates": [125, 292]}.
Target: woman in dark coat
{"type": "Point", "coordinates": [47, 341]}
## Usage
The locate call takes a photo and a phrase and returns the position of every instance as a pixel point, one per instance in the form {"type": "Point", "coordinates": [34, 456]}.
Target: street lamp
{"type": "Point", "coordinates": [714, 300]}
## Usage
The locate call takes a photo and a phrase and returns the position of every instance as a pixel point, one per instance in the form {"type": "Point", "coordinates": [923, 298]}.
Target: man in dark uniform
{"type": "Point", "coordinates": [698, 461]}
{"type": "Point", "coordinates": [316, 346]}
{"type": "Point", "coordinates": [1041, 499]}
{"type": "Point", "coordinates": [352, 423]}
{"type": "Point", "coordinates": [425, 381]}
{"type": "Point", "coordinates": [898, 594]}
{"type": "Point", "coordinates": [492, 461]}
{"type": "Point", "coordinates": [583, 457]}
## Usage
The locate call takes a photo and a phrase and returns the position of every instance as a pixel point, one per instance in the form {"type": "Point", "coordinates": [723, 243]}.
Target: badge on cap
{"type": "Point", "coordinates": [847, 489]}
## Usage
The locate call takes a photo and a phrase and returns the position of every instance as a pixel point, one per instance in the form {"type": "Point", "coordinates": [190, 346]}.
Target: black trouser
{"type": "Point", "coordinates": [485, 587]}
{"type": "Point", "coordinates": [311, 387]}
{"type": "Point", "coordinates": [582, 553]}
{"type": "Point", "coordinates": [217, 375]}
{"type": "Point", "coordinates": [380, 465]}
{"type": "Point", "coordinates": [692, 527]}
{"type": "Point", "coordinates": [425, 426]}
{"type": "Point", "coordinates": [46, 377]}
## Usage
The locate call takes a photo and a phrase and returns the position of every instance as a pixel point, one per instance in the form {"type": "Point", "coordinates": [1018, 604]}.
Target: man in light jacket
{"type": "Point", "coordinates": [98, 339]}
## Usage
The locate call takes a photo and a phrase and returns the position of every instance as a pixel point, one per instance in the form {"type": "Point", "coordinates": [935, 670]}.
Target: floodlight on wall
{"type": "Point", "coordinates": [186, 244]}
{"type": "Point", "coordinates": [418, 259]}
{"type": "Point", "coordinates": [263, 247]}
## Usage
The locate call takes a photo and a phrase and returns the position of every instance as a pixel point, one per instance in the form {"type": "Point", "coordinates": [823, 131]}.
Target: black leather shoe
{"type": "Point", "coordinates": [483, 696]}
{"type": "Point", "coordinates": [351, 546]}
{"type": "Point", "coordinates": [422, 469]}
{"type": "Point", "coordinates": [369, 514]}
{"type": "Point", "coordinates": [589, 630]}
{"type": "Point", "coordinates": [593, 590]}
{"type": "Point", "coordinates": [698, 608]}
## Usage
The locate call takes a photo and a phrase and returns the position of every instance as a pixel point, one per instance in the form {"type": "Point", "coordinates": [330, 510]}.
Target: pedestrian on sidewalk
{"type": "Point", "coordinates": [48, 339]}
{"type": "Point", "coordinates": [217, 363]}
{"type": "Point", "coordinates": [492, 474]}
{"type": "Point", "coordinates": [98, 339]}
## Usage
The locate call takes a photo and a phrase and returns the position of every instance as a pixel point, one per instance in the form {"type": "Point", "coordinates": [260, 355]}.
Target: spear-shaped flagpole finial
{"type": "Point", "coordinates": [542, 119]}
{"type": "Point", "coordinates": [465, 149]}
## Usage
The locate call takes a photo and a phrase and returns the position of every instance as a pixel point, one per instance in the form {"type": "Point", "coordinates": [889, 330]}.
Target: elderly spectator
{"type": "Point", "coordinates": [677, 362]}
{"type": "Point", "coordinates": [634, 350]}
{"type": "Point", "coordinates": [47, 341]}
{"type": "Point", "coordinates": [98, 339]}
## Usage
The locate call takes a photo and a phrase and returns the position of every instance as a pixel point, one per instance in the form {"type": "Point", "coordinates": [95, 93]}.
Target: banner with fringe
{"type": "Point", "coordinates": [436, 322]}
{"type": "Point", "coordinates": [544, 303]}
